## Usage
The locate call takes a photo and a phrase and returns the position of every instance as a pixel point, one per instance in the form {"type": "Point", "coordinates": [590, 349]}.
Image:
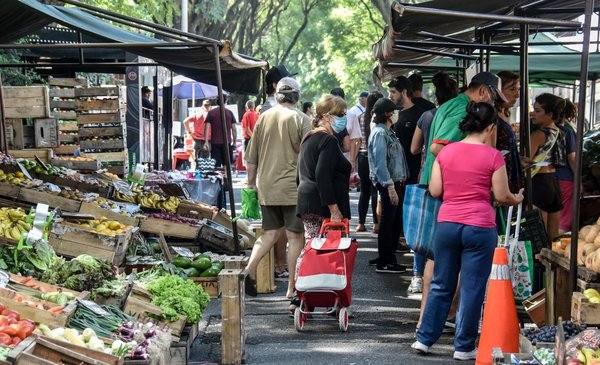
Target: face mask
{"type": "Point", "coordinates": [339, 123]}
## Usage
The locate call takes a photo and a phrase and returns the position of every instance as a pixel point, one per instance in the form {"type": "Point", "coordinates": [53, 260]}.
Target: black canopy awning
{"type": "Point", "coordinates": [240, 73]}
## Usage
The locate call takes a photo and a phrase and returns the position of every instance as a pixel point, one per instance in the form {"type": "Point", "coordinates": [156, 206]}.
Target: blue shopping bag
{"type": "Point", "coordinates": [419, 212]}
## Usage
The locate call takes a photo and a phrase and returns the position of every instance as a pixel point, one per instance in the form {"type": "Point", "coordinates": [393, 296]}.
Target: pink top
{"type": "Point", "coordinates": [467, 179]}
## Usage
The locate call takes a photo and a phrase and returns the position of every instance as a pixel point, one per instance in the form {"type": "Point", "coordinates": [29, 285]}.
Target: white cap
{"type": "Point", "coordinates": [287, 85]}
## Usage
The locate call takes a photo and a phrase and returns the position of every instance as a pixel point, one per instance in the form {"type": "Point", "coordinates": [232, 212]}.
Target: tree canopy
{"type": "Point", "coordinates": [328, 43]}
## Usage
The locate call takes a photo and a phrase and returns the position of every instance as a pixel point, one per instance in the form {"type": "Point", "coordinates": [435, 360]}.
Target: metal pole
{"type": "Point", "coordinates": [104, 45]}
{"type": "Point", "coordinates": [524, 101]}
{"type": "Point", "coordinates": [184, 15]}
{"type": "Point", "coordinates": [439, 53]}
{"type": "Point", "coordinates": [155, 119]}
{"type": "Point", "coordinates": [488, 54]}
{"type": "Point", "coordinates": [401, 9]}
{"type": "Point", "coordinates": [226, 147]}
{"type": "Point", "coordinates": [592, 118]}
{"type": "Point", "coordinates": [585, 59]}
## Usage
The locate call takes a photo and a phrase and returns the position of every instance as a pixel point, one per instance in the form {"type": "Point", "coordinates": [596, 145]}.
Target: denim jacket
{"type": "Point", "coordinates": [387, 162]}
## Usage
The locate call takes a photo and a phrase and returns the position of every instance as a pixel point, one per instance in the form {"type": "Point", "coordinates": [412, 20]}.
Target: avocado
{"type": "Point", "coordinates": [202, 263]}
{"type": "Point", "coordinates": [182, 262]}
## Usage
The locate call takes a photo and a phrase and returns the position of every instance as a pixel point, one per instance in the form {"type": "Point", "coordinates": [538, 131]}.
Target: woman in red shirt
{"type": "Point", "coordinates": [464, 173]}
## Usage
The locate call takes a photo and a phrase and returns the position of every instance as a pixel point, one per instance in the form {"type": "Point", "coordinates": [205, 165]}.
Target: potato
{"type": "Point", "coordinates": [592, 262]}
{"type": "Point", "coordinates": [583, 251]}
{"type": "Point", "coordinates": [591, 236]}
{"type": "Point", "coordinates": [584, 231]}
{"type": "Point", "coordinates": [597, 241]}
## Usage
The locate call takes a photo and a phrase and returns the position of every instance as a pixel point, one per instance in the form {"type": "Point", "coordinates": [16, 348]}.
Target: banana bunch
{"type": "Point", "coordinates": [155, 201]}
{"type": "Point", "coordinates": [12, 223]}
{"type": "Point", "coordinates": [126, 198]}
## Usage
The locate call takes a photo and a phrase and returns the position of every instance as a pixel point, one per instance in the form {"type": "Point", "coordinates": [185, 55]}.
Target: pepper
{"type": "Point", "coordinates": [9, 330]}
{"type": "Point", "coordinates": [19, 331]}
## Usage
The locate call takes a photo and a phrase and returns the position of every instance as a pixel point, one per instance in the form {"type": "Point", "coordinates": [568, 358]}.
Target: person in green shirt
{"type": "Point", "coordinates": [486, 87]}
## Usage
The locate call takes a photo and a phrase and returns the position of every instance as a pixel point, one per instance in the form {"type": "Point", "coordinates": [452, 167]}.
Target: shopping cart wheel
{"type": "Point", "coordinates": [299, 320]}
{"type": "Point", "coordinates": [343, 319]}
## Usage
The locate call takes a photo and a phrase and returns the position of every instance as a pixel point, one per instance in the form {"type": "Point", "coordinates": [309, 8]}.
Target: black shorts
{"type": "Point", "coordinates": [546, 192]}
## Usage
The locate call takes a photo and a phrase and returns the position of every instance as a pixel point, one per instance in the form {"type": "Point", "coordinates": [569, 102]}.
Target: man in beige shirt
{"type": "Point", "coordinates": [271, 160]}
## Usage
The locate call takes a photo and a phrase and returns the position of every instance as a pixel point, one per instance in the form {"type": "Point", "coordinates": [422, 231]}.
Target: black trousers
{"type": "Point", "coordinates": [217, 151]}
{"type": "Point", "coordinates": [390, 225]}
{"type": "Point", "coordinates": [367, 190]}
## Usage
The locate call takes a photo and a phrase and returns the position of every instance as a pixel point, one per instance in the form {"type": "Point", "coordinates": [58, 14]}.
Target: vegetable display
{"type": "Point", "coordinates": [175, 218]}
{"type": "Point", "coordinates": [104, 326]}
{"type": "Point", "coordinates": [4, 351]}
{"type": "Point", "coordinates": [176, 295]}
{"type": "Point", "coordinates": [80, 274]}
{"type": "Point", "coordinates": [34, 260]}
{"type": "Point", "coordinates": [13, 329]}
{"type": "Point", "coordinates": [111, 288]}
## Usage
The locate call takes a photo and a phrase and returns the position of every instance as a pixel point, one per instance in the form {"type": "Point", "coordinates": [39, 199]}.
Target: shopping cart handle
{"type": "Point", "coordinates": [328, 224]}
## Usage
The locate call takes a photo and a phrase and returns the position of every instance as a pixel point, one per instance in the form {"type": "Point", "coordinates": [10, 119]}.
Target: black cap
{"type": "Point", "coordinates": [338, 91]}
{"type": "Point", "coordinates": [363, 94]}
{"type": "Point", "coordinates": [493, 82]}
{"type": "Point", "coordinates": [277, 73]}
{"type": "Point", "coordinates": [384, 105]}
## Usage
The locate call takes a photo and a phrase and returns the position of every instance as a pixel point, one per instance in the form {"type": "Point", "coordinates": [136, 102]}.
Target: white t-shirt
{"type": "Point", "coordinates": [353, 124]}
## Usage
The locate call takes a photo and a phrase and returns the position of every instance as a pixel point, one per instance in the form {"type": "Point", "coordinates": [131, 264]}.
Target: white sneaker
{"type": "Point", "coordinates": [471, 355]}
{"type": "Point", "coordinates": [416, 285]}
{"type": "Point", "coordinates": [422, 349]}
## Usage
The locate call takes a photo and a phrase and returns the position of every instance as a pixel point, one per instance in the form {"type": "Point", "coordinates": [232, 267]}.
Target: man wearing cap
{"type": "Point", "coordinates": [271, 79]}
{"type": "Point", "coordinates": [194, 125]}
{"type": "Point", "coordinates": [271, 160]}
{"type": "Point", "coordinates": [353, 127]}
{"type": "Point", "coordinates": [486, 87]}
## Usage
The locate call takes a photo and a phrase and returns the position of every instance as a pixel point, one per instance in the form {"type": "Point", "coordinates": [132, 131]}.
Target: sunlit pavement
{"type": "Point", "coordinates": [381, 332]}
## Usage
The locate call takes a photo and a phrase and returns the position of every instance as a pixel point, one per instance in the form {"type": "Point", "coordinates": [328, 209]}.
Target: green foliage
{"type": "Point", "coordinates": [159, 11]}
{"type": "Point", "coordinates": [17, 76]}
{"type": "Point", "coordinates": [178, 296]}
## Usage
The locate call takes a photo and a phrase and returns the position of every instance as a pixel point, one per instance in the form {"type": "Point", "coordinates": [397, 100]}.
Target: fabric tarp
{"type": "Point", "coordinates": [21, 17]}
{"type": "Point", "coordinates": [406, 26]}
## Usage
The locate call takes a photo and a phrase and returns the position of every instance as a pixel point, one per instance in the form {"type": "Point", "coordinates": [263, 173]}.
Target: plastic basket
{"type": "Point", "coordinates": [533, 230]}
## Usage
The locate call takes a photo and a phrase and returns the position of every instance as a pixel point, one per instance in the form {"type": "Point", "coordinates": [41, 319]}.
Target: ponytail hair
{"type": "Point", "coordinates": [562, 110]}
{"type": "Point", "coordinates": [479, 117]}
{"type": "Point", "coordinates": [445, 87]}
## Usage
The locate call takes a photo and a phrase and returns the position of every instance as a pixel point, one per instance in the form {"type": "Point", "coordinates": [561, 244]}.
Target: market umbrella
{"type": "Point", "coordinates": [186, 88]}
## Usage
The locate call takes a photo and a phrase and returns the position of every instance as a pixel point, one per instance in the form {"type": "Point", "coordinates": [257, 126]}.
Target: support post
{"type": "Point", "coordinates": [585, 58]}
{"type": "Point", "coordinates": [3, 142]}
{"type": "Point", "coordinates": [524, 101]}
{"type": "Point", "coordinates": [155, 118]}
{"type": "Point", "coordinates": [226, 147]}
{"type": "Point", "coordinates": [233, 332]}
{"type": "Point", "coordinates": [592, 118]}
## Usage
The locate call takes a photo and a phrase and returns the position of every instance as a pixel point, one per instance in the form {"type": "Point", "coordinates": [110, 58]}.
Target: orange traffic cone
{"type": "Point", "coordinates": [500, 323]}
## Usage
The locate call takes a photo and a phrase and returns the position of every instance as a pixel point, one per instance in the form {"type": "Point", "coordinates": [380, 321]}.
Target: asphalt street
{"type": "Point", "coordinates": [380, 333]}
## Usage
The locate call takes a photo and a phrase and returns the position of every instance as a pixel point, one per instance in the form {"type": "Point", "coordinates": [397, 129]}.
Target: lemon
{"type": "Point", "coordinates": [114, 225]}
{"type": "Point", "coordinates": [19, 174]}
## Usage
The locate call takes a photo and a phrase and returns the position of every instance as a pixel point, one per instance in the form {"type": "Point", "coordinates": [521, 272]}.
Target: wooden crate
{"type": "Point", "coordinates": [102, 144]}
{"type": "Point", "coordinates": [103, 191]}
{"type": "Point", "coordinates": [107, 156]}
{"type": "Point", "coordinates": [64, 104]}
{"type": "Point", "coordinates": [26, 102]}
{"type": "Point", "coordinates": [67, 138]}
{"type": "Point", "coordinates": [97, 91]}
{"type": "Point", "coordinates": [68, 127]}
{"type": "Point", "coordinates": [64, 114]}
{"type": "Point", "coordinates": [9, 190]}
{"type": "Point", "coordinates": [65, 150]}
{"type": "Point", "coordinates": [233, 331]}
{"type": "Point", "coordinates": [45, 154]}
{"type": "Point", "coordinates": [97, 355]}
{"type": "Point", "coordinates": [235, 262]}
{"type": "Point", "coordinates": [179, 352]}
{"type": "Point", "coordinates": [584, 312]}
{"type": "Point", "coordinates": [61, 93]}
{"type": "Point", "coordinates": [168, 228]}
{"type": "Point", "coordinates": [16, 135]}
{"type": "Point", "coordinates": [8, 300]}
{"type": "Point", "coordinates": [54, 201]}
{"type": "Point", "coordinates": [210, 285]}
{"type": "Point", "coordinates": [41, 351]}
{"type": "Point", "coordinates": [71, 240]}
{"type": "Point", "coordinates": [195, 210]}
{"type": "Point", "coordinates": [91, 208]}
{"type": "Point", "coordinates": [67, 82]}
{"type": "Point", "coordinates": [99, 118]}
{"type": "Point", "coordinates": [98, 104]}
{"type": "Point", "coordinates": [76, 164]}
{"type": "Point", "coordinates": [265, 272]}
{"type": "Point", "coordinates": [101, 131]}
{"type": "Point", "coordinates": [45, 287]}
{"type": "Point", "coordinates": [46, 133]}
{"type": "Point", "coordinates": [147, 311]}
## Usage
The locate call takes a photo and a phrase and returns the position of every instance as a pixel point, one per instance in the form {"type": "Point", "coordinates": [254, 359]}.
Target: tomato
{"type": "Point", "coordinates": [16, 340]}
{"type": "Point", "coordinates": [9, 330]}
{"type": "Point", "coordinates": [5, 339]}
{"type": "Point", "coordinates": [27, 327]}
{"type": "Point", "coordinates": [9, 313]}
{"type": "Point", "coordinates": [12, 320]}
{"type": "Point", "coordinates": [19, 331]}
{"type": "Point", "coordinates": [1, 307]}
{"type": "Point", "coordinates": [3, 321]}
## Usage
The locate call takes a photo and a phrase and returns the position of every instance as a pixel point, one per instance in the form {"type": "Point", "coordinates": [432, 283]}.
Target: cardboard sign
{"type": "Point", "coordinates": [122, 187]}
{"type": "Point", "coordinates": [588, 338]}
{"type": "Point", "coordinates": [93, 307]}
{"type": "Point", "coordinates": [24, 171]}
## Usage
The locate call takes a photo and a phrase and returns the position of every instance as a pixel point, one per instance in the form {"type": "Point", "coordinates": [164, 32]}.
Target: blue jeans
{"type": "Point", "coordinates": [467, 250]}
{"type": "Point", "coordinates": [418, 264]}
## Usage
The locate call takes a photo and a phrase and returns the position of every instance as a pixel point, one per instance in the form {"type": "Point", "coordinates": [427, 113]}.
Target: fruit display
{"type": "Point", "coordinates": [34, 167]}
{"type": "Point", "coordinates": [175, 218]}
{"type": "Point", "coordinates": [73, 158]}
{"type": "Point", "coordinates": [151, 200]}
{"type": "Point", "coordinates": [585, 356]}
{"type": "Point", "coordinates": [15, 178]}
{"type": "Point", "coordinates": [13, 222]}
{"type": "Point", "coordinates": [201, 266]}
{"type": "Point", "coordinates": [545, 356]}
{"type": "Point", "coordinates": [13, 328]}
{"type": "Point", "coordinates": [103, 226]}
{"type": "Point", "coordinates": [592, 295]}
{"type": "Point", "coordinates": [548, 333]}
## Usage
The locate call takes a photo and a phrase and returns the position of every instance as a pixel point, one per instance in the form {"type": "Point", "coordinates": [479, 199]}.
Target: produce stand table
{"type": "Point", "coordinates": [557, 284]}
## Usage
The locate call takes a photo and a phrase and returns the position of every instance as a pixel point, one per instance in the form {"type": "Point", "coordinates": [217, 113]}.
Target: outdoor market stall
{"type": "Point", "coordinates": [417, 36]}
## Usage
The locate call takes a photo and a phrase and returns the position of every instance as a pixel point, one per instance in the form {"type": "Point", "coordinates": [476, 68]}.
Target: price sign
{"type": "Point", "coordinates": [122, 187]}
{"type": "Point", "coordinates": [589, 338]}
{"type": "Point", "coordinates": [93, 307]}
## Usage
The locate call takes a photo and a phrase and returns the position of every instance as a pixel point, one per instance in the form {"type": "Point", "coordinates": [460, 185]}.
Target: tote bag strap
{"type": "Point", "coordinates": [509, 221]}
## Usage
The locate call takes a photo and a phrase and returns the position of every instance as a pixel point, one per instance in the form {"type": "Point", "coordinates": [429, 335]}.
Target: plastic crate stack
{"type": "Point", "coordinates": [102, 129]}
{"type": "Point", "coordinates": [63, 106]}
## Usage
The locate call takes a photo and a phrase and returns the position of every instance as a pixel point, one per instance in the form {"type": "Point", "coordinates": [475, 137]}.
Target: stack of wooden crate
{"type": "Point", "coordinates": [63, 103]}
{"type": "Point", "coordinates": [102, 129]}
{"type": "Point", "coordinates": [22, 103]}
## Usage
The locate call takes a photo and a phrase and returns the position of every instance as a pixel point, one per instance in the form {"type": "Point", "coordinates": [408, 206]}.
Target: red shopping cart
{"type": "Point", "coordinates": [324, 277]}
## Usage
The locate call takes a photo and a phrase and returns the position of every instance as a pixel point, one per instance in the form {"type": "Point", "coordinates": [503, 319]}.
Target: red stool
{"type": "Point", "coordinates": [179, 155]}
